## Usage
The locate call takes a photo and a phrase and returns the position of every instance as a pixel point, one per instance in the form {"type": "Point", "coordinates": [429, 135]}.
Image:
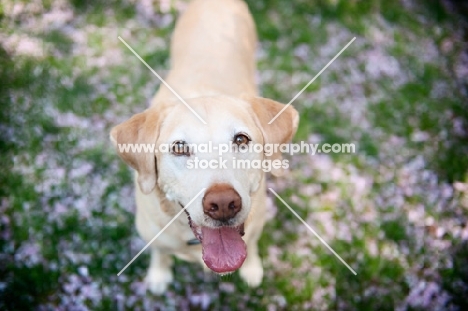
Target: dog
{"type": "Point", "coordinates": [213, 70]}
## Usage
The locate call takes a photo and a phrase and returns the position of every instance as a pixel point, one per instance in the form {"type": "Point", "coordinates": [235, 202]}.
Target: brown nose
{"type": "Point", "coordinates": [221, 202]}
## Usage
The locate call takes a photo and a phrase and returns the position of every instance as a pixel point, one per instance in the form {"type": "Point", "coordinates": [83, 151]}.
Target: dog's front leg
{"type": "Point", "coordinates": [160, 271]}
{"type": "Point", "coordinates": [252, 269]}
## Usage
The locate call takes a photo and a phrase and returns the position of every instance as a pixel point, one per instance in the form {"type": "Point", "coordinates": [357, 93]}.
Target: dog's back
{"type": "Point", "coordinates": [213, 51]}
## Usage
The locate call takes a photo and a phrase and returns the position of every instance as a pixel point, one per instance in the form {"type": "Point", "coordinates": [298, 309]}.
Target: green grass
{"type": "Point", "coordinates": [390, 210]}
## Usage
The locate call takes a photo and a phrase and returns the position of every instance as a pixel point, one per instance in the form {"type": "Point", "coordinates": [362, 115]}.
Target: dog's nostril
{"type": "Point", "coordinates": [232, 206]}
{"type": "Point", "coordinates": [214, 207]}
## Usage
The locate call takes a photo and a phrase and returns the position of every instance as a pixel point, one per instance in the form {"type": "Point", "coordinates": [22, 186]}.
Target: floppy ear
{"type": "Point", "coordinates": [142, 128]}
{"type": "Point", "coordinates": [281, 130]}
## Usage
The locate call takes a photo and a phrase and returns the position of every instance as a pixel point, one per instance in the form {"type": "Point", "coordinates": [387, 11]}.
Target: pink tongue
{"type": "Point", "coordinates": [223, 249]}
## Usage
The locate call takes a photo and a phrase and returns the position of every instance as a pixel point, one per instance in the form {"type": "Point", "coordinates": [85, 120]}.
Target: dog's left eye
{"type": "Point", "coordinates": [180, 148]}
{"type": "Point", "coordinates": [241, 139]}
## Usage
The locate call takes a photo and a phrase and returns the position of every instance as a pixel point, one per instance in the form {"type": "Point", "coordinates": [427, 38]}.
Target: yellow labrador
{"type": "Point", "coordinates": [212, 69]}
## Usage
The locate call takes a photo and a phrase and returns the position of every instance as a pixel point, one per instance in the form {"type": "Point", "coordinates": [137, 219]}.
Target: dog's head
{"type": "Point", "coordinates": [184, 163]}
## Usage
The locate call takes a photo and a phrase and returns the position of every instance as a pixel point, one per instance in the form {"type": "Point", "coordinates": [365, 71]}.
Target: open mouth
{"type": "Point", "coordinates": [223, 249]}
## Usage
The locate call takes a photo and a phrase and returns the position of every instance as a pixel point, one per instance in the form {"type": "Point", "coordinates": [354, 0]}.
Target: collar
{"type": "Point", "coordinates": [194, 241]}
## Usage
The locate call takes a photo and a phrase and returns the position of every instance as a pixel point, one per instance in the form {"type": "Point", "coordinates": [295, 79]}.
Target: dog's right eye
{"type": "Point", "coordinates": [180, 148]}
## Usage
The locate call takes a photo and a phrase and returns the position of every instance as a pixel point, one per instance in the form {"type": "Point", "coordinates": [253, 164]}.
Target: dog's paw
{"type": "Point", "coordinates": [157, 280]}
{"type": "Point", "coordinates": [252, 272]}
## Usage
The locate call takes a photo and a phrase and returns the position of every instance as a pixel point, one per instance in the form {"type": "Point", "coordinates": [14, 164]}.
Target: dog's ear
{"type": "Point", "coordinates": [142, 128]}
{"type": "Point", "coordinates": [281, 130]}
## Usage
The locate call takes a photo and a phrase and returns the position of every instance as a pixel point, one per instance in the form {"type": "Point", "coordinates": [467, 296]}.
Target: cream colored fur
{"type": "Point", "coordinates": [212, 68]}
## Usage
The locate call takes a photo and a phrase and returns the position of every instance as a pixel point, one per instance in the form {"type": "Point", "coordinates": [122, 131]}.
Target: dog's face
{"type": "Point", "coordinates": [229, 123]}
{"type": "Point", "coordinates": [186, 147]}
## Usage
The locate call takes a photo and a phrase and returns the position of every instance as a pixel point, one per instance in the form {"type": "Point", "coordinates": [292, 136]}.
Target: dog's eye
{"type": "Point", "coordinates": [241, 139]}
{"type": "Point", "coordinates": [180, 148]}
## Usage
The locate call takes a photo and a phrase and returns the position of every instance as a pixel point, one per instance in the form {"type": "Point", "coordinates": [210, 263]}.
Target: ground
{"type": "Point", "coordinates": [396, 210]}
